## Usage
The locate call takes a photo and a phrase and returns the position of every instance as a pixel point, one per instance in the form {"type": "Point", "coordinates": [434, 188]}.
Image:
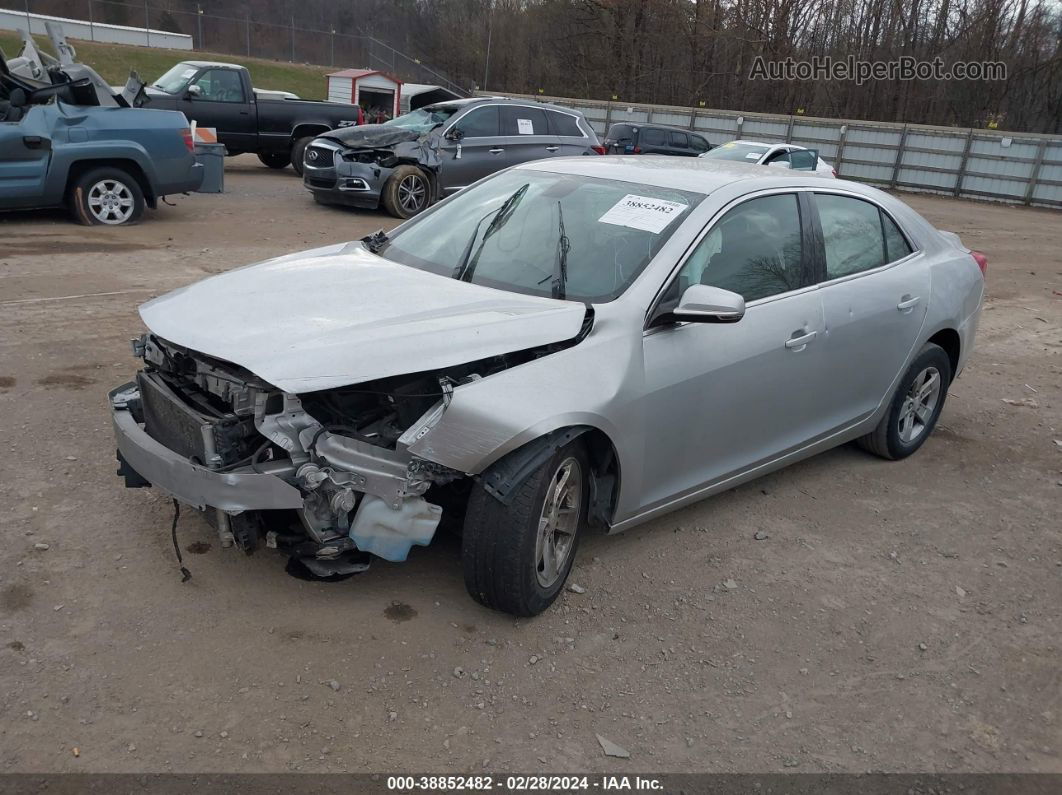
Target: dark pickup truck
{"type": "Point", "coordinates": [220, 95]}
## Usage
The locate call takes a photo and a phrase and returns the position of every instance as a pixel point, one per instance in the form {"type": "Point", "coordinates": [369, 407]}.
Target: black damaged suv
{"type": "Point", "coordinates": [411, 161]}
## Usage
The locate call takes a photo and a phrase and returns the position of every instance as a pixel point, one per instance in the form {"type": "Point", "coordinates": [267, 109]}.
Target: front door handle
{"type": "Point", "coordinates": [35, 142]}
{"type": "Point", "coordinates": [552, 148]}
{"type": "Point", "coordinates": [495, 151]}
{"type": "Point", "coordinates": [798, 343]}
{"type": "Point", "coordinates": [907, 303]}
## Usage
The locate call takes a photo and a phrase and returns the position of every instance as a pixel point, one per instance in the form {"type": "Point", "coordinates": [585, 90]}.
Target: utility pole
{"type": "Point", "coordinates": [332, 50]}
{"type": "Point", "coordinates": [147, 24]}
{"type": "Point", "coordinates": [293, 38]}
{"type": "Point", "coordinates": [29, 23]}
{"type": "Point", "coordinates": [247, 27]}
{"type": "Point", "coordinates": [92, 28]}
{"type": "Point", "coordinates": [199, 19]}
{"type": "Point", "coordinates": [490, 26]}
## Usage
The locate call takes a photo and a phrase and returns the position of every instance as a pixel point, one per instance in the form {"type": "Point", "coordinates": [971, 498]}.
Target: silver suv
{"type": "Point", "coordinates": [409, 162]}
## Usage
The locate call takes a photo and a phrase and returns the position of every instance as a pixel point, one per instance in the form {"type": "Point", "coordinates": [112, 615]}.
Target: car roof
{"type": "Point", "coordinates": [200, 64]}
{"type": "Point", "coordinates": [531, 103]}
{"type": "Point", "coordinates": [697, 175]}
{"type": "Point", "coordinates": [641, 125]}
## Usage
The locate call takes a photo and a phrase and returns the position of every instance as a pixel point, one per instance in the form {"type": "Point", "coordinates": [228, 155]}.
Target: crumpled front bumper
{"type": "Point", "coordinates": [334, 179]}
{"type": "Point", "coordinates": [189, 482]}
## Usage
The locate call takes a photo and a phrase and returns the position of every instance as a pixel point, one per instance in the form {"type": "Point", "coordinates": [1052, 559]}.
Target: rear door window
{"type": "Point", "coordinates": [519, 120]}
{"type": "Point", "coordinates": [852, 234]}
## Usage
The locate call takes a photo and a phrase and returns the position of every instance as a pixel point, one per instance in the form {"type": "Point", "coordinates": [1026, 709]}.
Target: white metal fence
{"type": "Point", "coordinates": [985, 164]}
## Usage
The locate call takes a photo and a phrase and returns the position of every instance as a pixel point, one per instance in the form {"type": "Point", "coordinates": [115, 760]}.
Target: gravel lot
{"type": "Point", "coordinates": [899, 616]}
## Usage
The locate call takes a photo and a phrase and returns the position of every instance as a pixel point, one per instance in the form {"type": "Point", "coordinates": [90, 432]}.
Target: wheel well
{"type": "Point", "coordinates": [307, 129]}
{"type": "Point", "coordinates": [504, 475]}
{"type": "Point", "coordinates": [604, 463]}
{"type": "Point", "coordinates": [948, 339]}
{"type": "Point", "coordinates": [131, 167]}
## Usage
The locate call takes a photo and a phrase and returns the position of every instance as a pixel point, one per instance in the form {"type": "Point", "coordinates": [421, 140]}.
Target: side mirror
{"type": "Point", "coordinates": [193, 91]}
{"type": "Point", "coordinates": [702, 303]}
{"type": "Point", "coordinates": [454, 134]}
{"type": "Point", "coordinates": [780, 164]}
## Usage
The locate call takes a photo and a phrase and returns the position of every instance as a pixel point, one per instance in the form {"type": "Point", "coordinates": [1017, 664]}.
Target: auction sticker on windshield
{"type": "Point", "coordinates": [643, 212]}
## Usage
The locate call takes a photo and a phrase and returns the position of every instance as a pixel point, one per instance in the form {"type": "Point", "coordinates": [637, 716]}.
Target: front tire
{"type": "Point", "coordinates": [275, 160]}
{"type": "Point", "coordinates": [517, 557]}
{"type": "Point", "coordinates": [107, 197]}
{"type": "Point", "coordinates": [298, 150]}
{"type": "Point", "coordinates": [407, 192]}
{"type": "Point", "coordinates": [915, 407]}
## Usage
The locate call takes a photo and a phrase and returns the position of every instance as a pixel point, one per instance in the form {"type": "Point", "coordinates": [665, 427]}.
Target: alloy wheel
{"type": "Point", "coordinates": [412, 192]}
{"type": "Point", "coordinates": [918, 406]}
{"type": "Point", "coordinates": [111, 202]}
{"type": "Point", "coordinates": [559, 522]}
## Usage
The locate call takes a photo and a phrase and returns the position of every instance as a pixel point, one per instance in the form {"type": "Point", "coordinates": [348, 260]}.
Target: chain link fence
{"type": "Point", "coordinates": [279, 40]}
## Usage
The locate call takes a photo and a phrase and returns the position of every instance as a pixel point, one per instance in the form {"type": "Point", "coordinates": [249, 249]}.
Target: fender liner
{"type": "Point", "coordinates": [502, 477]}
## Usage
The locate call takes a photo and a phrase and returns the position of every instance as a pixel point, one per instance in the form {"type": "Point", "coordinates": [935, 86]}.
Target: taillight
{"type": "Point", "coordinates": [833, 171]}
{"type": "Point", "coordinates": [599, 149]}
{"type": "Point", "coordinates": [637, 150]}
{"type": "Point", "coordinates": [981, 260]}
{"type": "Point", "coordinates": [189, 141]}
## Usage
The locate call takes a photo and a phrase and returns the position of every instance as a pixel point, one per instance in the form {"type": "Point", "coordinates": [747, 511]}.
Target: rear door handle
{"type": "Point", "coordinates": [908, 303]}
{"type": "Point", "coordinates": [552, 148]}
{"type": "Point", "coordinates": [799, 343]}
{"type": "Point", "coordinates": [495, 151]}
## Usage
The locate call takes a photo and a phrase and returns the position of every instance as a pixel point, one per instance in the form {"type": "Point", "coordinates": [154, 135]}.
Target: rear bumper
{"type": "Point", "coordinates": [191, 483]}
{"type": "Point", "coordinates": [188, 184]}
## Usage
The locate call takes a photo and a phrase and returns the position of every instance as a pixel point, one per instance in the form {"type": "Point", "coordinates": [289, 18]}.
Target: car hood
{"type": "Point", "coordinates": [372, 136]}
{"type": "Point", "coordinates": [342, 315]}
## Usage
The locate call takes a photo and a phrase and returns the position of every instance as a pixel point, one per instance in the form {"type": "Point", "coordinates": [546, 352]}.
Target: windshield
{"type": "Point", "coordinates": [747, 153]}
{"type": "Point", "coordinates": [176, 79]}
{"type": "Point", "coordinates": [423, 119]}
{"type": "Point", "coordinates": [540, 233]}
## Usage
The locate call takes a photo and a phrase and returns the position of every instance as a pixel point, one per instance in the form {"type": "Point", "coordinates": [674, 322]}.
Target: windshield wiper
{"type": "Point", "coordinates": [466, 268]}
{"type": "Point", "coordinates": [564, 245]}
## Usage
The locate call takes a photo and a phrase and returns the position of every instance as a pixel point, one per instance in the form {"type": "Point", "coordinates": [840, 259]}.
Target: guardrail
{"type": "Point", "coordinates": [89, 30]}
{"type": "Point", "coordinates": [1016, 167]}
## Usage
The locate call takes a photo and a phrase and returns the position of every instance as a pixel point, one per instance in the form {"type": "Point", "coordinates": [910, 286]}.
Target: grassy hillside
{"type": "Point", "coordinates": [113, 62]}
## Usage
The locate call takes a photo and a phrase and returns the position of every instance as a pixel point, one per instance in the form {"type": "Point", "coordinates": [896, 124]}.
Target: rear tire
{"type": "Point", "coordinates": [108, 197]}
{"type": "Point", "coordinates": [298, 149]}
{"type": "Point", "coordinates": [517, 557]}
{"type": "Point", "coordinates": [915, 407]}
{"type": "Point", "coordinates": [276, 160]}
{"type": "Point", "coordinates": [407, 192]}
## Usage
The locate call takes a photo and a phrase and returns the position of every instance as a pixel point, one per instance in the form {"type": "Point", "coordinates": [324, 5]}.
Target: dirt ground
{"type": "Point", "coordinates": [900, 616]}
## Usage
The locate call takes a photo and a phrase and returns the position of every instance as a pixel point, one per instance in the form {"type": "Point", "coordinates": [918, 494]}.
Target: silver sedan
{"type": "Point", "coordinates": [568, 344]}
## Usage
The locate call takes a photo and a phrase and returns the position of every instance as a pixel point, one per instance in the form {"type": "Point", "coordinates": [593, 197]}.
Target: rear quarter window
{"type": "Point", "coordinates": [563, 124]}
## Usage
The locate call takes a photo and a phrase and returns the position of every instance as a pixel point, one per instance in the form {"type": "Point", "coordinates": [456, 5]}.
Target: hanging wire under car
{"type": "Point", "coordinates": [185, 574]}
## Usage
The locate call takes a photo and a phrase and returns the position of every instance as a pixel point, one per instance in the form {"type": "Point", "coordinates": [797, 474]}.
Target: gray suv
{"type": "Point", "coordinates": [409, 162]}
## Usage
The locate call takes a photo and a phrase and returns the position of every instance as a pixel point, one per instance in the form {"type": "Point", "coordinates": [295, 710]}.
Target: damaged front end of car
{"type": "Point", "coordinates": [353, 165]}
{"type": "Point", "coordinates": [325, 477]}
